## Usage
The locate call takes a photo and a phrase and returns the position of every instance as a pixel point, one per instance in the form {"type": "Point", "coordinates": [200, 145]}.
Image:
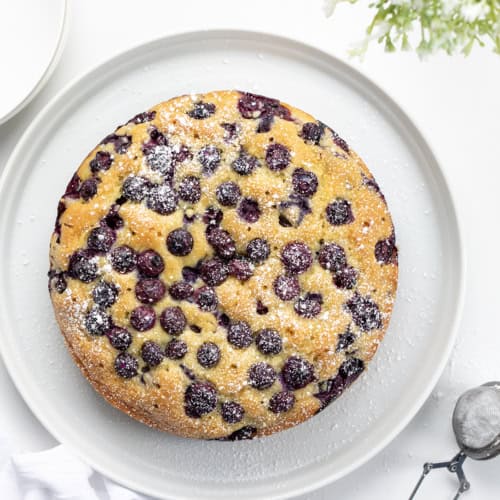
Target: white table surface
{"type": "Point", "coordinates": [454, 100]}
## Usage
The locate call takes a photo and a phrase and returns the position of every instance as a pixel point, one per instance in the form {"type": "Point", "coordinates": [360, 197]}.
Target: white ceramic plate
{"type": "Point", "coordinates": [31, 41]}
{"type": "Point", "coordinates": [410, 359]}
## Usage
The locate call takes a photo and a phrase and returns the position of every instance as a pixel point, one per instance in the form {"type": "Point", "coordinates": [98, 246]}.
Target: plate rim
{"type": "Point", "coordinates": [421, 138]}
{"type": "Point", "coordinates": [49, 70]}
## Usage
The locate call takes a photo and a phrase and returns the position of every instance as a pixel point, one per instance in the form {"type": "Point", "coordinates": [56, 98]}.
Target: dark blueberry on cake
{"type": "Point", "coordinates": [123, 259]}
{"type": "Point", "coordinates": [126, 365]}
{"type": "Point", "coordinates": [113, 219]}
{"type": "Point", "coordinates": [135, 188]}
{"type": "Point", "coordinates": [180, 290]}
{"type": "Point", "coordinates": [105, 294]}
{"type": "Point", "coordinates": [304, 182]}
{"type": "Point", "coordinates": [150, 290]}
{"type": "Point", "coordinates": [277, 156]}
{"type": "Point", "coordinates": [332, 257]}
{"type": "Point", "coordinates": [144, 117]}
{"type": "Point", "coordinates": [386, 251]}
{"type": "Point", "coordinates": [257, 106]}
{"type": "Point", "coordinates": [190, 189]}
{"type": "Point", "coordinates": [73, 187]}
{"type": "Point", "coordinates": [202, 110]}
{"type": "Point", "coordinates": [190, 274]}
{"type": "Point", "coordinates": [101, 239]}
{"type": "Point", "coordinates": [309, 305]}
{"type": "Point", "coordinates": [243, 434]}
{"type": "Point", "coordinates": [228, 193]}
{"type": "Point", "coordinates": [261, 376]}
{"type": "Point", "coordinates": [241, 269]}
{"type": "Point", "coordinates": [162, 199]}
{"type": "Point", "coordinates": [209, 157]}
{"type": "Point", "coordinates": [339, 212]}
{"type": "Point", "coordinates": [212, 217]}
{"type": "Point", "coordinates": [341, 143]}
{"type": "Point", "coordinates": [286, 287]}
{"type": "Point", "coordinates": [245, 164]}
{"type": "Point", "coordinates": [214, 272]}
{"type": "Point", "coordinates": [231, 131]}
{"type": "Point", "coordinates": [249, 210]}
{"type": "Point", "coordinates": [282, 402]}
{"type": "Point", "coordinates": [82, 266]}
{"type": "Point", "coordinates": [172, 320]}
{"type": "Point", "coordinates": [180, 242]}
{"type": "Point", "coordinates": [120, 142]}
{"type": "Point", "coordinates": [58, 282]}
{"type": "Point", "coordinates": [269, 341]}
{"type": "Point", "coordinates": [119, 338]}
{"type": "Point", "coordinates": [365, 312]}
{"type": "Point", "coordinates": [222, 242]}
{"type": "Point", "coordinates": [176, 349]}
{"type": "Point", "coordinates": [200, 398]}
{"type": "Point", "coordinates": [150, 263]}
{"type": "Point", "coordinates": [88, 189]}
{"type": "Point", "coordinates": [297, 372]}
{"type": "Point", "coordinates": [101, 161]}
{"type": "Point", "coordinates": [232, 412]}
{"type": "Point", "coordinates": [223, 319]}
{"type": "Point", "coordinates": [345, 278]}
{"type": "Point", "coordinates": [151, 353]}
{"type": "Point", "coordinates": [239, 334]}
{"type": "Point", "coordinates": [329, 390]}
{"type": "Point", "coordinates": [351, 368]}
{"type": "Point", "coordinates": [345, 340]}
{"type": "Point", "coordinates": [296, 257]}
{"type": "Point", "coordinates": [258, 250]}
{"type": "Point", "coordinates": [208, 354]}
{"type": "Point", "coordinates": [261, 308]}
{"type": "Point", "coordinates": [312, 132]}
{"type": "Point", "coordinates": [143, 318]}
{"type": "Point", "coordinates": [97, 321]}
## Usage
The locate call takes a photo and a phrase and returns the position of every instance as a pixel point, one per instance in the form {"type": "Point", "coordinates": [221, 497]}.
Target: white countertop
{"type": "Point", "coordinates": [456, 103]}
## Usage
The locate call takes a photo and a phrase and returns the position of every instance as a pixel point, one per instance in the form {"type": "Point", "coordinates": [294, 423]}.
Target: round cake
{"type": "Point", "coordinates": [223, 266]}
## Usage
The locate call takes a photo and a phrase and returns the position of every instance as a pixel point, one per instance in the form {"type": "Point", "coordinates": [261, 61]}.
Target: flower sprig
{"type": "Point", "coordinates": [449, 25]}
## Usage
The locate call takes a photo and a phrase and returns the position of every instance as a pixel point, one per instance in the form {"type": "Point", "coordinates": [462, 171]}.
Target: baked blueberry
{"type": "Point", "coordinates": [135, 188]}
{"type": "Point", "coordinates": [282, 402]}
{"type": "Point", "coordinates": [228, 193]}
{"type": "Point", "coordinates": [202, 110]}
{"type": "Point", "coordinates": [258, 250]}
{"type": "Point", "coordinates": [386, 251]}
{"type": "Point", "coordinates": [126, 365]}
{"type": "Point", "coordinates": [212, 217]}
{"type": "Point", "coordinates": [119, 338]}
{"type": "Point", "coordinates": [245, 164]}
{"type": "Point", "coordinates": [150, 263]}
{"type": "Point", "coordinates": [180, 242]}
{"type": "Point", "coordinates": [332, 257]}
{"type": "Point", "coordinates": [339, 212]}
{"type": "Point", "coordinates": [151, 353]}
{"type": "Point", "coordinates": [249, 210]}
{"type": "Point", "coordinates": [190, 189]}
{"type": "Point", "coordinates": [176, 349]}
{"type": "Point", "coordinates": [97, 321]}
{"type": "Point", "coordinates": [143, 318]}
{"type": "Point", "coordinates": [239, 334]}
{"type": "Point", "coordinates": [208, 355]}
{"type": "Point", "coordinates": [304, 182]}
{"type": "Point", "coordinates": [309, 306]}
{"type": "Point", "coordinates": [286, 287]}
{"type": "Point", "coordinates": [120, 142]}
{"type": "Point", "coordinates": [200, 398]}
{"type": "Point", "coordinates": [241, 269]}
{"type": "Point", "coordinates": [173, 320]}
{"type": "Point", "coordinates": [209, 157]}
{"type": "Point", "coordinates": [162, 199]}
{"type": "Point", "coordinates": [312, 132]}
{"type": "Point", "coordinates": [105, 294]}
{"type": "Point", "coordinates": [297, 372]}
{"type": "Point", "coordinates": [144, 117]}
{"type": "Point", "coordinates": [101, 239]}
{"type": "Point", "coordinates": [113, 219]}
{"type": "Point", "coordinates": [150, 290]}
{"type": "Point", "coordinates": [180, 290]}
{"type": "Point", "coordinates": [365, 312]}
{"type": "Point", "coordinates": [214, 272]}
{"type": "Point", "coordinates": [351, 368]}
{"type": "Point", "coordinates": [277, 156]}
{"type": "Point", "coordinates": [88, 189]}
{"type": "Point", "coordinates": [101, 161]}
{"type": "Point", "coordinates": [345, 340]}
{"type": "Point", "coordinates": [123, 259]}
{"type": "Point", "coordinates": [83, 266]}
{"type": "Point", "coordinates": [222, 242]}
{"type": "Point", "coordinates": [296, 257]}
{"type": "Point", "coordinates": [232, 412]}
{"type": "Point", "coordinates": [261, 375]}
{"type": "Point", "coordinates": [345, 278]}
{"type": "Point", "coordinates": [268, 341]}
{"type": "Point", "coordinates": [206, 298]}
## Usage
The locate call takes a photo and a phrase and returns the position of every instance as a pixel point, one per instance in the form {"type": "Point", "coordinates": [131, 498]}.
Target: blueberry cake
{"type": "Point", "coordinates": [223, 266]}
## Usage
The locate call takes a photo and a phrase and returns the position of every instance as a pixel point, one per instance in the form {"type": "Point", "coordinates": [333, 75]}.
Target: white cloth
{"type": "Point", "coordinates": [55, 474]}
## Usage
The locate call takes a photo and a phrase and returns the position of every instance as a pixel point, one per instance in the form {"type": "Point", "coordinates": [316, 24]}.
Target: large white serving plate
{"type": "Point", "coordinates": [410, 359]}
